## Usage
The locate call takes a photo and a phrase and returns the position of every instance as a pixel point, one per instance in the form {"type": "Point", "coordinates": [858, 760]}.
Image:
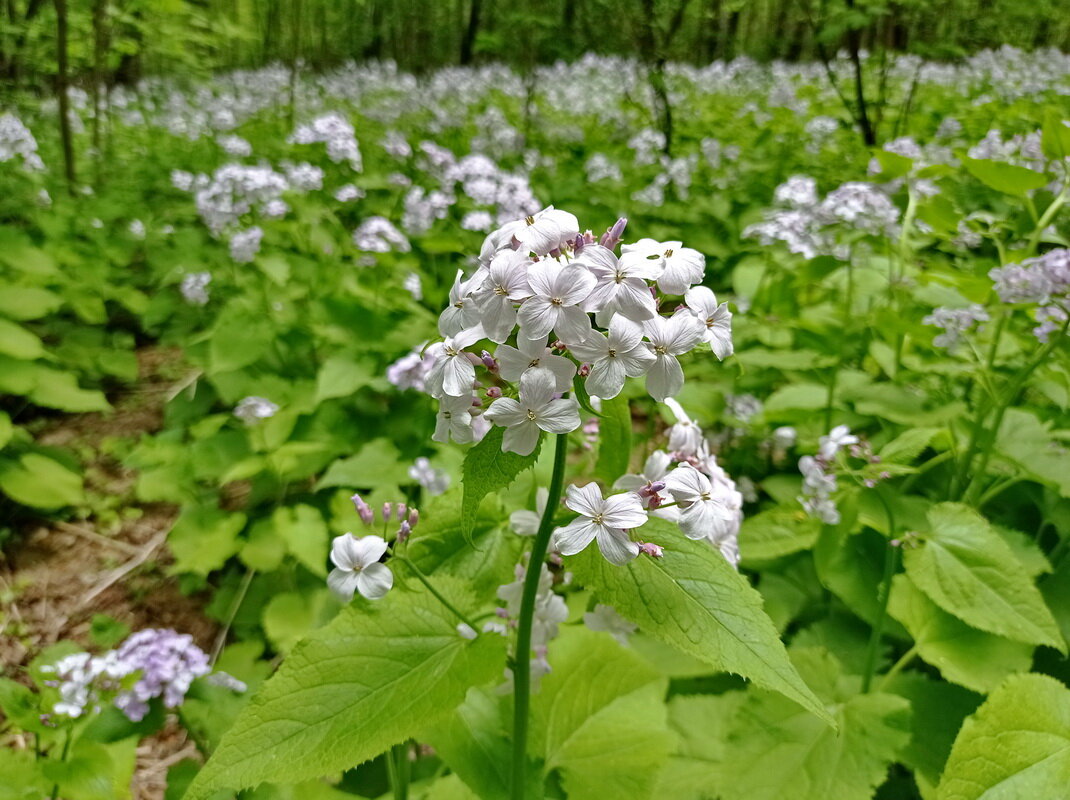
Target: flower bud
{"type": "Point", "coordinates": [386, 512]}
{"type": "Point", "coordinates": [578, 244]}
{"type": "Point", "coordinates": [403, 532]}
{"type": "Point", "coordinates": [585, 370]}
{"type": "Point", "coordinates": [559, 345]}
{"type": "Point", "coordinates": [402, 510]}
{"type": "Point", "coordinates": [651, 549]}
{"type": "Point", "coordinates": [494, 392]}
{"type": "Point", "coordinates": [414, 517]}
{"type": "Point", "coordinates": [489, 361]}
{"type": "Point", "coordinates": [611, 238]}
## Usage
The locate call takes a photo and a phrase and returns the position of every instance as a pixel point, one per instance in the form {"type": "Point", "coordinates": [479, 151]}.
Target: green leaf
{"type": "Point", "coordinates": [17, 342]}
{"type": "Point", "coordinates": [964, 655]}
{"type": "Point", "coordinates": [378, 463]}
{"type": "Point", "coordinates": [28, 302]}
{"type": "Point", "coordinates": [23, 778]}
{"type": "Point", "coordinates": [614, 440]}
{"type": "Point", "coordinates": [1017, 745]}
{"type": "Point", "coordinates": [1028, 443]}
{"type": "Point", "coordinates": [306, 536]}
{"type": "Point", "coordinates": [487, 469]}
{"type": "Point", "coordinates": [908, 445]}
{"type": "Point", "coordinates": [375, 676]}
{"type": "Point", "coordinates": [6, 429]}
{"type": "Point", "coordinates": [797, 397]}
{"type": "Point", "coordinates": [775, 751]}
{"type": "Point", "coordinates": [275, 267]}
{"type": "Point", "coordinates": [968, 570]}
{"type": "Point", "coordinates": [203, 538]}
{"type": "Point", "coordinates": [290, 616]}
{"type": "Point", "coordinates": [1004, 177]}
{"type": "Point", "coordinates": [54, 389]}
{"type": "Point", "coordinates": [1055, 137]}
{"type": "Point", "coordinates": [600, 718]}
{"type": "Point", "coordinates": [340, 376]}
{"type": "Point", "coordinates": [579, 391]}
{"type": "Point", "coordinates": [776, 532]}
{"type": "Point", "coordinates": [239, 340]}
{"type": "Point", "coordinates": [694, 600]}
{"type": "Point", "coordinates": [38, 481]}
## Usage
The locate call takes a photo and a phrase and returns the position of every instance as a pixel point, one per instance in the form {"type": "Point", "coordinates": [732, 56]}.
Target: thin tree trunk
{"type": "Point", "coordinates": [62, 78]}
{"type": "Point", "coordinates": [869, 135]}
{"type": "Point", "coordinates": [100, 45]}
{"type": "Point", "coordinates": [470, 33]}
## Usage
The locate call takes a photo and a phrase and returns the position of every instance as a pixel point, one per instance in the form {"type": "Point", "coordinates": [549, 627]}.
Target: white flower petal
{"type": "Point", "coordinates": [616, 546]}
{"type": "Point", "coordinates": [374, 581]}
{"type": "Point", "coordinates": [574, 537]}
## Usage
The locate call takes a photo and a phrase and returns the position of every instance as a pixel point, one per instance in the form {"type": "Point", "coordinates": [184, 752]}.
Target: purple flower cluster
{"type": "Point", "coordinates": [1043, 281]}
{"type": "Point", "coordinates": [167, 661]}
{"type": "Point", "coordinates": [955, 322]}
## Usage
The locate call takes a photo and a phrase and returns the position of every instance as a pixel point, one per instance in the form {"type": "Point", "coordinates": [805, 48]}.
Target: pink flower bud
{"type": "Point", "coordinates": [489, 362]}
{"type": "Point", "coordinates": [494, 392]}
{"type": "Point", "coordinates": [402, 510]}
{"type": "Point", "coordinates": [403, 532]}
{"type": "Point", "coordinates": [651, 549]}
{"type": "Point", "coordinates": [578, 244]}
{"type": "Point", "coordinates": [585, 370]}
{"type": "Point", "coordinates": [414, 517]}
{"type": "Point", "coordinates": [559, 345]}
{"type": "Point", "coordinates": [386, 512]}
{"type": "Point", "coordinates": [611, 238]}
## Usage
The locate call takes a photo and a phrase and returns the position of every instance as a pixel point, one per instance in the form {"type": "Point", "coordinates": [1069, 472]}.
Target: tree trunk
{"type": "Point", "coordinates": [470, 33]}
{"type": "Point", "coordinates": [62, 78]}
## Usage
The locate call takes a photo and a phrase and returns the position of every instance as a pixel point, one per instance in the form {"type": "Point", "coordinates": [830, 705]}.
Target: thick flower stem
{"type": "Point", "coordinates": [522, 662]}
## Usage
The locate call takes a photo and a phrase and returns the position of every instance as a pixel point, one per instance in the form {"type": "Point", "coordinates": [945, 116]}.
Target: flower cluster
{"type": "Point", "coordinates": [194, 288]}
{"type": "Point", "coordinates": [337, 133]}
{"type": "Point", "coordinates": [16, 141]}
{"type": "Point", "coordinates": [150, 663]}
{"type": "Point", "coordinates": [550, 611]}
{"type": "Point", "coordinates": [1043, 281]}
{"type": "Point", "coordinates": [819, 477]}
{"type": "Point", "coordinates": [956, 322]}
{"type": "Point", "coordinates": [357, 561]}
{"type": "Point", "coordinates": [540, 276]}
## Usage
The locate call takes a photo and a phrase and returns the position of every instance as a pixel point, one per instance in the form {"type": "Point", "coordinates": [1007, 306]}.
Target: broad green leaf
{"type": "Point", "coordinates": [908, 445]}
{"type": "Point", "coordinates": [702, 724]}
{"type": "Point", "coordinates": [6, 429]}
{"type": "Point", "coordinates": [38, 481]}
{"type": "Point", "coordinates": [55, 389]}
{"type": "Point", "coordinates": [378, 463]}
{"type": "Point", "coordinates": [306, 536]}
{"type": "Point", "coordinates": [1027, 442]}
{"type": "Point", "coordinates": [239, 340]}
{"type": "Point", "coordinates": [340, 376]}
{"type": "Point", "coordinates": [487, 469]}
{"type": "Point", "coordinates": [1017, 745]}
{"type": "Point", "coordinates": [376, 675]}
{"type": "Point", "coordinates": [1055, 137]}
{"type": "Point", "coordinates": [968, 570]}
{"type": "Point", "coordinates": [290, 616]}
{"type": "Point", "coordinates": [614, 440]}
{"type": "Point", "coordinates": [203, 538]}
{"type": "Point", "coordinates": [600, 718]}
{"type": "Point", "coordinates": [275, 267]}
{"type": "Point", "coordinates": [28, 302]}
{"type": "Point", "coordinates": [776, 532]}
{"type": "Point", "coordinates": [964, 655]}
{"type": "Point", "coordinates": [485, 561]}
{"type": "Point", "coordinates": [694, 600]}
{"type": "Point", "coordinates": [1004, 177]}
{"type": "Point", "coordinates": [797, 397]}
{"type": "Point", "coordinates": [775, 751]}
{"type": "Point", "coordinates": [17, 342]}
{"type": "Point", "coordinates": [937, 712]}
{"type": "Point", "coordinates": [23, 777]}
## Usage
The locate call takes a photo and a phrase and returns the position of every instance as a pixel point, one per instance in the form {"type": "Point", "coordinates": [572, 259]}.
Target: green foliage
{"type": "Point", "coordinates": [487, 469]}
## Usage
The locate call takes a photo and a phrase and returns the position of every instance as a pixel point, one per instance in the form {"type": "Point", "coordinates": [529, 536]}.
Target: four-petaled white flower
{"type": "Point", "coordinates": [838, 437]}
{"type": "Point", "coordinates": [533, 354]}
{"type": "Point", "coordinates": [550, 229]}
{"type": "Point", "coordinates": [506, 283]}
{"type": "Point", "coordinates": [615, 357]}
{"type": "Point", "coordinates": [685, 437]}
{"type": "Point", "coordinates": [670, 337]}
{"type": "Point", "coordinates": [453, 373]}
{"type": "Point", "coordinates": [717, 319]}
{"type": "Point", "coordinates": [461, 313]}
{"type": "Point", "coordinates": [621, 286]}
{"type": "Point", "coordinates": [357, 567]}
{"type": "Point", "coordinates": [557, 292]}
{"type": "Point", "coordinates": [535, 410]}
{"type": "Point", "coordinates": [454, 419]}
{"type": "Point", "coordinates": [603, 520]}
{"type": "Point", "coordinates": [678, 267]}
{"type": "Point", "coordinates": [703, 513]}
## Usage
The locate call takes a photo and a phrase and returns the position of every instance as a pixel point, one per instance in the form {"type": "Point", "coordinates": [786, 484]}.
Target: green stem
{"type": "Point", "coordinates": [438, 596]}
{"type": "Point", "coordinates": [1045, 220]}
{"type": "Point", "coordinates": [891, 563]}
{"type": "Point", "coordinates": [983, 407]}
{"type": "Point", "coordinates": [399, 770]}
{"type": "Point", "coordinates": [908, 221]}
{"type": "Point", "coordinates": [848, 302]}
{"type": "Point", "coordinates": [63, 759]}
{"type": "Point", "coordinates": [897, 667]}
{"type": "Point", "coordinates": [522, 662]}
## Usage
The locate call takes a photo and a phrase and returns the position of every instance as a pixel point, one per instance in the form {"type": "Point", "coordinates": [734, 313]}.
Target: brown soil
{"type": "Point", "coordinates": [60, 574]}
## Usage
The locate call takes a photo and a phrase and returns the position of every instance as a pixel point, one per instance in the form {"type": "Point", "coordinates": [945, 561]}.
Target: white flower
{"type": "Point", "coordinates": [435, 481]}
{"type": "Point", "coordinates": [606, 619]}
{"type": "Point", "coordinates": [557, 292]}
{"type": "Point", "coordinates": [838, 437]}
{"type": "Point", "coordinates": [621, 287]}
{"type": "Point", "coordinates": [678, 267]}
{"type": "Point", "coordinates": [526, 522]}
{"type": "Point", "coordinates": [550, 229]}
{"type": "Point", "coordinates": [453, 374]}
{"type": "Point", "coordinates": [685, 437]}
{"type": "Point", "coordinates": [506, 283]}
{"type": "Point", "coordinates": [669, 338]}
{"type": "Point", "coordinates": [533, 354]}
{"type": "Point", "coordinates": [357, 567]}
{"type": "Point", "coordinates": [454, 420]}
{"type": "Point", "coordinates": [615, 357]}
{"type": "Point", "coordinates": [461, 313]}
{"type": "Point", "coordinates": [717, 319]}
{"type": "Point", "coordinates": [536, 409]}
{"type": "Point", "coordinates": [605, 521]}
{"type": "Point", "coordinates": [655, 470]}
{"type": "Point", "coordinates": [253, 409]}
{"type": "Point", "coordinates": [703, 513]}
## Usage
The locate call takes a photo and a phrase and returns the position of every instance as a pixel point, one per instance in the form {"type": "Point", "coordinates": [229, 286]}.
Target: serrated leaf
{"type": "Point", "coordinates": [969, 571]}
{"type": "Point", "coordinates": [1004, 177]}
{"type": "Point", "coordinates": [487, 469]}
{"type": "Point", "coordinates": [964, 655]}
{"type": "Point", "coordinates": [1017, 745]}
{"type": "Point", "coordinates": [1055, 137]}
{"type": "Point", "coordinates": [378, 463]}
{"type": "Point", "coordinates": [695, 601]}
{"type": "Point", "coordinates": [306, 536]}
{"type": "Point", "coordinates": [377, 674]}
{"type": "Point", "coordinates": [776, 532]}
{"type": "Point", "coordinates": [1028, 443]}
{"type": "Point", "coordinates": [908, 445]}
{"type": "Point", "coordinates": [340, 376]}
{"type": "Point", "coordinates": [614, 440]}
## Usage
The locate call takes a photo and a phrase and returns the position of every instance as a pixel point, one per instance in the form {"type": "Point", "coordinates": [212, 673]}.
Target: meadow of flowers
{"type": "Point", "coordinates": [522, 444]}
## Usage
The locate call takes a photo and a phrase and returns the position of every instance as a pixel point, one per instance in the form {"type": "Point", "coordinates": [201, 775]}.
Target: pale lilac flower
{"type": "Point", "coordinates": [453, 374]}
{"type": "Point", "coordinates": [557, 294]}
{"type": "Point", "coordinates": [462, 312]}
{"type": "Point", "coordinates": [167, 663]}
{"type": "Point", "coordinates": [454, 420]}
{"type": "Point", "coordinates": [838, 437]}
{"type": "Point", "coordinates": [411, 370]}
{"type": "Point", "coordinates": [506, 283]}
{"type": "Point", "coordinates": [525, 522]}
{"type": "Point", "coordinates": [434, 481]}
{"type": "Point", "coordinates": [621, 287]}
{"type": "Point", "coordinates": [603, 520]}
{"type": "Point", "coordinates": [244, 245]}
{"type": "Point", "coordinates": [535, 410]}
{"type": "Point", "coordinates": [529, 354]}
{"type": "Point", "coordinates": [704, 513]}
{"type": "Point", "coordinates": [254, 409]}
{"type": "Point", "coordinates": [412, 285]}
{"type": "Point", "coordinates": [685, 437]}
{"type": "Point", "coordinates": [194, 288]}
{"type": "Point", "coordinates": [716, 318]}
{"type": "Point", "coordinates": [670, 337]}
{"type": "Point", "coordinates": [614, 357]}
{"type": "Point", "coordinates": [605, 619]}
{"type": "Point", "coordinates": [357, 567]}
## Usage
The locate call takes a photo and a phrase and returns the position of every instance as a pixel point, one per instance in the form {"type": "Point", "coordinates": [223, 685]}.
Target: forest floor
{"type": "Point", "coordinates": [56, 578]}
